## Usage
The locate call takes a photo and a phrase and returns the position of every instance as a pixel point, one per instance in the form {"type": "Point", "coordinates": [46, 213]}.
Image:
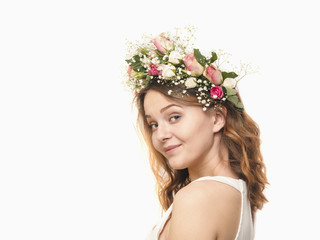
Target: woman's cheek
{"type": "Point", "coordinates": [155, 143]}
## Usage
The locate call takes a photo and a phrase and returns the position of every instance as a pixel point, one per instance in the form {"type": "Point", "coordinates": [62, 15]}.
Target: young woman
{"type": "Point", "coordinates": [204, 149]}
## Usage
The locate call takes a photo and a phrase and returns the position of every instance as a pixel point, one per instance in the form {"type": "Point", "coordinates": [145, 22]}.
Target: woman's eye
{"type": "Point", "coordinates": [174, 118]}
{"type": "Point", "coordinates": [153, 126]}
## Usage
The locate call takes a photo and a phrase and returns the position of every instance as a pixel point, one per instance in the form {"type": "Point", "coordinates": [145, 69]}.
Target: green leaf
{"type": "Point", "coordinates": [200, 58]}
{"type": "Point", "coordinates": [148, 78]}
{"type": "Point", "coordinates": [136, 64]}
{"type": "Point", "coordinates": [159, 53]}
{"type": "Point", "coordinates": [231, 91]}
{"type": "Point", "coordinates": [213, 58]}
{"type": "Point", "coordinates": [229, 75]}
{"type": "Point", "coordinates": [144, 51]}
{"type": "Point", "coordinates": [235, 100]}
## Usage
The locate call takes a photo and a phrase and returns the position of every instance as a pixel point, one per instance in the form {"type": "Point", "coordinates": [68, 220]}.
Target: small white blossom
{"type": "Point", "coordinates": [167, 70]}
{"type": "Point", "coordinates": [191, 82]}
{"type": "Point", "coordinates": [229, 83]}
{"type": "Point", "coordinates": [175, 57]}
{"type": "Point", "coordinates": [146, 61]}
{"type": "Point", "coordinates": [152, 54]}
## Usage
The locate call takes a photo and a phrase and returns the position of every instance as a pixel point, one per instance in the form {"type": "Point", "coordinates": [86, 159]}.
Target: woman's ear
{"type": "Point", "coordinates": [219, 119]}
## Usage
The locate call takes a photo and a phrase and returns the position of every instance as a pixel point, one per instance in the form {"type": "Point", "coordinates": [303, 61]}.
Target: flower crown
{"type": "Point", "coordinates": [170, 61]}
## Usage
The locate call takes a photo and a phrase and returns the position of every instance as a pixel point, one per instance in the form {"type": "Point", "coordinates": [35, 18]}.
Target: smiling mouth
{"type": "Point", "coordinates": [171, 149]}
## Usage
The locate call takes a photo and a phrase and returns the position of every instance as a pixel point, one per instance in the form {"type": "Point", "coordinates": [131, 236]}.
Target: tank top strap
{"type": "Point", "coordinates": [163, 221]}
{"type": "Point", "coordinates": [236, 183]}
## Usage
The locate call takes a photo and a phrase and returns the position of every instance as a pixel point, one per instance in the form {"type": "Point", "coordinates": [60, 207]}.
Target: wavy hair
{"type": "Point", "coordinates": [241, 136]}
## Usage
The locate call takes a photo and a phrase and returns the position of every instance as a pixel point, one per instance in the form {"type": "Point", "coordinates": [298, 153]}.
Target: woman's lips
{"type": "Point", "coordinates": [171, 148]}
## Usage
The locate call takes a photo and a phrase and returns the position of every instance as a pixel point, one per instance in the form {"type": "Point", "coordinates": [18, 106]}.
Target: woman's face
{"type": "Point", "coordinates": [182, 134]}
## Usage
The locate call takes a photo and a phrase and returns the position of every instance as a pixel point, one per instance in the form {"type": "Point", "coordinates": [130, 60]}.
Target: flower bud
{"type": "Point", "coordinates": [213, 74]}
{"type": "Point", "coordinates": [163, 44]}
{"type": "Point", "coordinates": [195, 68]}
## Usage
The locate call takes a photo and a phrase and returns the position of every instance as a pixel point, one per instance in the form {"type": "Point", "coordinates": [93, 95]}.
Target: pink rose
{"type": "Point", "coordinates": [154, 70]}
{"type": "Point", "coordinates": [216, 92]}
{"type": "Point", "coordinates": [162, 43]}
{"type": "Point", "coordinates": [192, 65]}
{"type": "Point", "coordinates": [213, 75]}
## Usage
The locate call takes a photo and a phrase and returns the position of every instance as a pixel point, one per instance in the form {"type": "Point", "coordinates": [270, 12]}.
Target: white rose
{"type": "Point", "coordinates": [175, 57]}
{"type": "Point", "coordinates": [167, 70]}
{"type": "Point", "coordinates": [191, 82]}
{"type": "Point", "coordinates": [229, 83]}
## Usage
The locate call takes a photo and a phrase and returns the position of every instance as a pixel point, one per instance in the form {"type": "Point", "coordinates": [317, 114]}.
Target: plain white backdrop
{"type": "Point", "coordinates": [71, 165]}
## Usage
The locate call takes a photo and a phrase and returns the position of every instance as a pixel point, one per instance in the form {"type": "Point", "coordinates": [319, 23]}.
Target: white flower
{"type": "Point", "coordinates": [167, 70]}
{"type": "Point", "coordinates": [146, 61]}
{"type": "Point", "coordinates": [229, 83]}
{"type": "Point", "coordinates": [191, 82]}
{"type": "Point", "coordinates": [175, 57]}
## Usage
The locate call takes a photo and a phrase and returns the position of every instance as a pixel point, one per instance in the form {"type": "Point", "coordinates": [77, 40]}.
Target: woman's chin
{"type": "Point", "coordinates": [177, 164]}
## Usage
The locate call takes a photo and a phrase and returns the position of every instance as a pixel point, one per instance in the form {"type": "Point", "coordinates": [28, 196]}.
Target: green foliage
{"type": "Point", "coordinates": [144, 51]}
{"type": "Point", "coordinates": [230, 91]}
{"type": "Point", "coordinates": [213, 58]}
{"type": "Point", "coordinates": [229, 75]}
{"type": "Point", "coordinates": [148, 78]}
{"type": "Point", "coordinates": [136, 64]}
{"type": "Point", "coordinates": [235, 100]}
{"type": "Point", "coordinates": [199, 57]}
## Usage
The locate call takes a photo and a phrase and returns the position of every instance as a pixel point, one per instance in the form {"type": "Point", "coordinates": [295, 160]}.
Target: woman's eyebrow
{"type": "Point", "coordinates": [165, 108]}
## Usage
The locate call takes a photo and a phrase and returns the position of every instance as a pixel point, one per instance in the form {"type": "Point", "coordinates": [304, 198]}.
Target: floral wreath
{"type": "Point", "coordinates": [171, 60]}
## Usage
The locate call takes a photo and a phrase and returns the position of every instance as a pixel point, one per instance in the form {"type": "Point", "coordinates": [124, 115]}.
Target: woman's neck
{"type": "Point", "coordinates": [217, 165]}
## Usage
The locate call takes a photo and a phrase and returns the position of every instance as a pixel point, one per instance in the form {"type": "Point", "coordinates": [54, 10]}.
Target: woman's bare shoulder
{"type": "Point", "coordinates": [204, 210]}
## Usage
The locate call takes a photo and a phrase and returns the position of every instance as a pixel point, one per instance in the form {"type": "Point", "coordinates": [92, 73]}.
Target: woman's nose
{"type": "Point", "coordinates": [163, 132]}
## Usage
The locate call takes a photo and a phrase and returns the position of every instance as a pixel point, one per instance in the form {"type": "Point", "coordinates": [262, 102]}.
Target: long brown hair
{"type": "Point", "coordinates": [240, 134]}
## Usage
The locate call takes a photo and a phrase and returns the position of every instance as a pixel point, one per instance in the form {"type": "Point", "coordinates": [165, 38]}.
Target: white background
{"type": "Point", "coordinates": [71, 166]}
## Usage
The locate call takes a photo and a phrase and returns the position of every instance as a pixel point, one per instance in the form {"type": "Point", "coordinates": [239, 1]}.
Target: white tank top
{"type": "Point", "coordinates": [246, 227]}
